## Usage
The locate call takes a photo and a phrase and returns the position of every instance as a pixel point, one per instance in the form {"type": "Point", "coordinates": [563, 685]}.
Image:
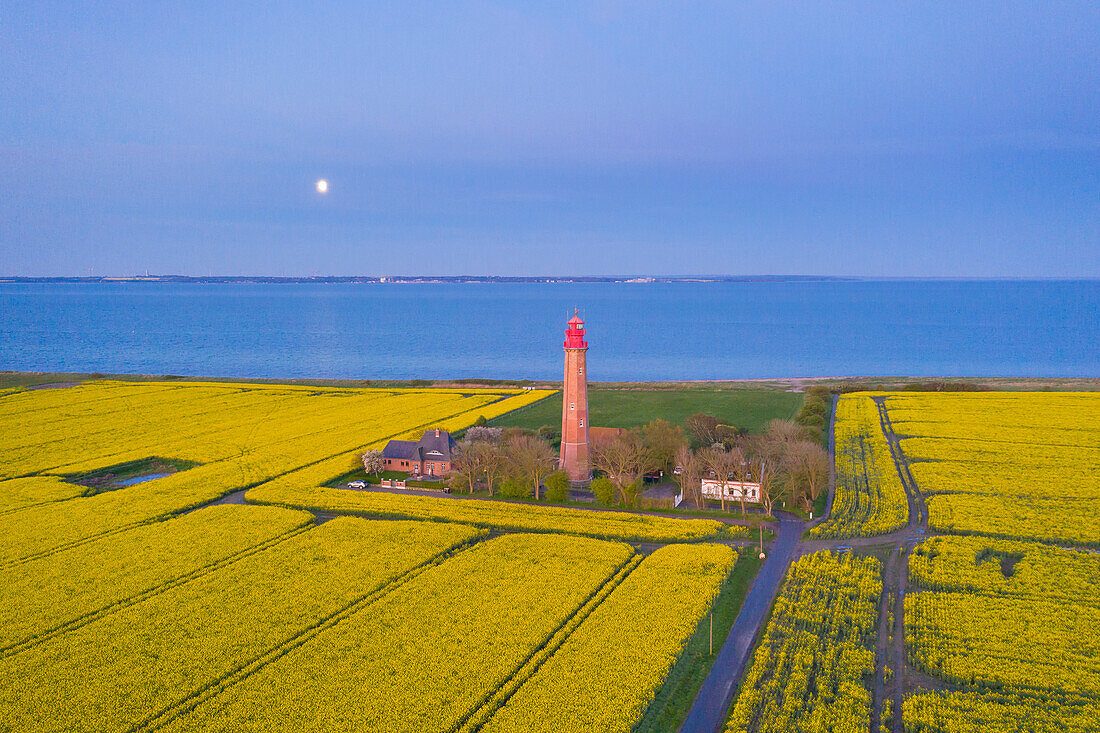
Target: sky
{"type": "Point", "coordinates": [550, 138]}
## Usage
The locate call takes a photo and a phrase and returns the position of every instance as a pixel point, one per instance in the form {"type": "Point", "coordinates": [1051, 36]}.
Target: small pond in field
{"type": "Point", "coordinates": [140, 479]}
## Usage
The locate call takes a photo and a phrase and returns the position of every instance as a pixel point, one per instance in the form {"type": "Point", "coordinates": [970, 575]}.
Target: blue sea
{"type": "Point", "coordinates": [636, 331]}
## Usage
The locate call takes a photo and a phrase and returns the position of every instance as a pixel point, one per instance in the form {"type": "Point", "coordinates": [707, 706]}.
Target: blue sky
{"type": "Point", "coordinates": [598, 138]}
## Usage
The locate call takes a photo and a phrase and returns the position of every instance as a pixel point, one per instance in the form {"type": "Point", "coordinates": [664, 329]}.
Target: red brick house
{"type": "Point", "coordinates": [429, 456]}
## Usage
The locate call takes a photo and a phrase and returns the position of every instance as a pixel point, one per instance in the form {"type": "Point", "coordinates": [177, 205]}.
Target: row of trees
{"type": "Point", "coordinates": [514, 463]}
{"type": "Point", "coordinates": [786, 460]}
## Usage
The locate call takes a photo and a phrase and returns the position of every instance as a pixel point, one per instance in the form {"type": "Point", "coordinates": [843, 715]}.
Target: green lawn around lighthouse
{"type": "Point", "coordinates": [626, 407]}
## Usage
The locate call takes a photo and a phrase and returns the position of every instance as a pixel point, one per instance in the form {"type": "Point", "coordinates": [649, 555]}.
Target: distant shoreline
{"type": "Point", "coordinates": [493, 279]}
{"type": "Point", "coordinates": [25, 379]}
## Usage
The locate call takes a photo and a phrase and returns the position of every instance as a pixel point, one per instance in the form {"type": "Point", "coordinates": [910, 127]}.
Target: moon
{"type": "Point", "coordinates": [322, 186]}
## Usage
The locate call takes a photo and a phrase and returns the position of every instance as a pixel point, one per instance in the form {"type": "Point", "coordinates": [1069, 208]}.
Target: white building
{"type": "Point", "coordinates": [712, 489]}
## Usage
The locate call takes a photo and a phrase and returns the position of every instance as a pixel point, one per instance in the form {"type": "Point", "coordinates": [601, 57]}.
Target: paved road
{"type": "Point", "coordinates": [708, 712]}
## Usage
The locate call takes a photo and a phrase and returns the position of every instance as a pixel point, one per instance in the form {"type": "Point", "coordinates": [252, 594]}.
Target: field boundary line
{"type": "Point", "coordinates": [244, 671]}
{"type": "Point", "coordinates": [104, 611]}
{"type": "Point", "coordinates": [484, 710]}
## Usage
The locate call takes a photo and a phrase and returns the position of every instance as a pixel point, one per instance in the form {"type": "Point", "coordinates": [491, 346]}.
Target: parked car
{"type": "Point", "coordinates": [357, 484]}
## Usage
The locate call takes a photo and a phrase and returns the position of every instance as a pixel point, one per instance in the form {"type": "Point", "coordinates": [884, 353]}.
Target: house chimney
{"type": "Point", "coordinates": [437, 432]}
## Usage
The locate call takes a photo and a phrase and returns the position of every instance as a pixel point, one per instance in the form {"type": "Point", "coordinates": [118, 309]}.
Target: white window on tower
{"type": "Point", "coordinates": [572, 406]}
{"type": "Point", "coordinates": [582, 423]}
{"type": "Point", "coordinates": [580, 371]}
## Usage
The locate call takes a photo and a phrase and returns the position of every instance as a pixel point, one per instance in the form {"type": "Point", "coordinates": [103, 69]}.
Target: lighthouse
{"type": "Point", "coordinates": [574, 406]}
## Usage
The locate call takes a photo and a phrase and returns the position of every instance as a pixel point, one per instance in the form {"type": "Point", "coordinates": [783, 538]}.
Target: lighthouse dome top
{"type": "Point", "coordinates": [574, 334]}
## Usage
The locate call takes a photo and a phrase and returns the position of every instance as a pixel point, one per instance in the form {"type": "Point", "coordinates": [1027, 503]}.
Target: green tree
{"type": "Point", "coordinates": [604, 491]}
{"type": "Point", "coordinates": [703, 429]}
{"type": "Point", "coordinates": [623, 460]}
{"type": "Point", "coordinates": [663, 440]}
{"type": "Point", "coordinates": [467, 464]}
{"type": "Point", "coordinates": [557, 487]}
{"type": "Point", "coordinates": [532, 459]}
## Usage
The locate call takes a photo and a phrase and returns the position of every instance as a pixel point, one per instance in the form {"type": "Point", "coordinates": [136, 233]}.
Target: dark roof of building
{"type": "Point", "coordinates": [434, 445]}
{"type": "Point", "coordinates": [403, 449]}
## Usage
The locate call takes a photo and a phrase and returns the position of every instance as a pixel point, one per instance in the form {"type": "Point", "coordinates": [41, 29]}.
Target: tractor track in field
{"type": "Point", "coordinates": [123, 603]}
{"type": "Point", "coordinates": [484, 710]}
{"type": "Point", "coordinates": [242, 672]}
{"type": "Point", "coordinates": [896, 584]}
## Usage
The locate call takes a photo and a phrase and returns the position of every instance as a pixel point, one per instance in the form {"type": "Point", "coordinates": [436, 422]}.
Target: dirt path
{"type": "Point", "coordinates": [915, 531]}
{"type": "Point", "coordinates": [882, 641]}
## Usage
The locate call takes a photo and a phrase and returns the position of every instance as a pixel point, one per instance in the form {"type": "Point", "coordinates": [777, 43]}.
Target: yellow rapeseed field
{"type": "Point", "coordinates": [808, 671]}
{"type": "Point", "coordinates": [1029, 644]}
{"type": "Point", "coordinates": [124, 669]}
{"type": "Point", "coordinates": [607, 672]}
{"type": "Point", "coordinates": [1011, 464]}
{"type": "Point", "coordinates": [497, 514]}
{"type": "Point", "coordinates": [870, 498]}
{"type": "Point", "coordinates": [426, 656]}
{"type": "Point", "coordinates": [965, 712]}
{"type": "Point", "coordinates": [241, 435]}
{"type": "Point", "coordinates": [1009, 623]}
{"type": "Point", "coordinates": [66, 588]}
{"type": "Point", "coordinates": [145, 607]}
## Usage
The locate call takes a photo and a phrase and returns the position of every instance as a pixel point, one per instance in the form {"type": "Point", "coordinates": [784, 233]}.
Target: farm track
{"type": "Point", "coordinates": [897, 644]}
{"type": "Point", "coordinates": [883, 637]}
{"type": "Point", "coordinates": [244, 671]}
{"type": "Point", "coordinates": [121, 604]}
{"type": "Point", "coordinates": [484, 710]}
{"type": "Point", "coordinates": [898, 577]}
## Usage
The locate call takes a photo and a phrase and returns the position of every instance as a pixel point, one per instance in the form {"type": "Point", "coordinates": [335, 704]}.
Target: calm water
{"type": "Point", "coordinates": [636, 331]}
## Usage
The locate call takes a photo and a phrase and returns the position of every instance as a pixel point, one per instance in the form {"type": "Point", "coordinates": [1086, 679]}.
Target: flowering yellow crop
{"type": "Point", "coordinates": [1012, 464]}
{"type": "Point", "coordinates": [126, 668]}
{"type": "Point", "coordinates": [425, 656]}
{"type": "Point", "coordinates": [67, 588]}
{"type": "Point", "coordinates": [963, 712]}
{"type": "Point", "coordinates": [1011, 623]}
{"type": "Point", "coordinates": [18, 493]}
{"type": "Point", "coordinates": [242, 434]}
{"type": "Point", "coordinates": [808, 671]}
{"type": "Point", "coordinates": [607, 671]}
{"type": "Point", "coordinates": [984, 565]}
{"type": "Point", "coordinates": [870, 498]}
{"type": "Point", "coordinates": [497, 514]}
{"type": "Point", "coordinates": [120, 611]}
{"type": "Point", "coordinates": [1001, 642]}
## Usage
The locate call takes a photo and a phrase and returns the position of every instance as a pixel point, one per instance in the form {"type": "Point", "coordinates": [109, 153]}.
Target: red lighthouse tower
{"type": "Point", "coordinates": [574, 407]}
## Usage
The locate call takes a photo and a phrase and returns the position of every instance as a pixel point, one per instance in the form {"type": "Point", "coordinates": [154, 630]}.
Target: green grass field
{"type": "Point", "coordinates": [627, 408]}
